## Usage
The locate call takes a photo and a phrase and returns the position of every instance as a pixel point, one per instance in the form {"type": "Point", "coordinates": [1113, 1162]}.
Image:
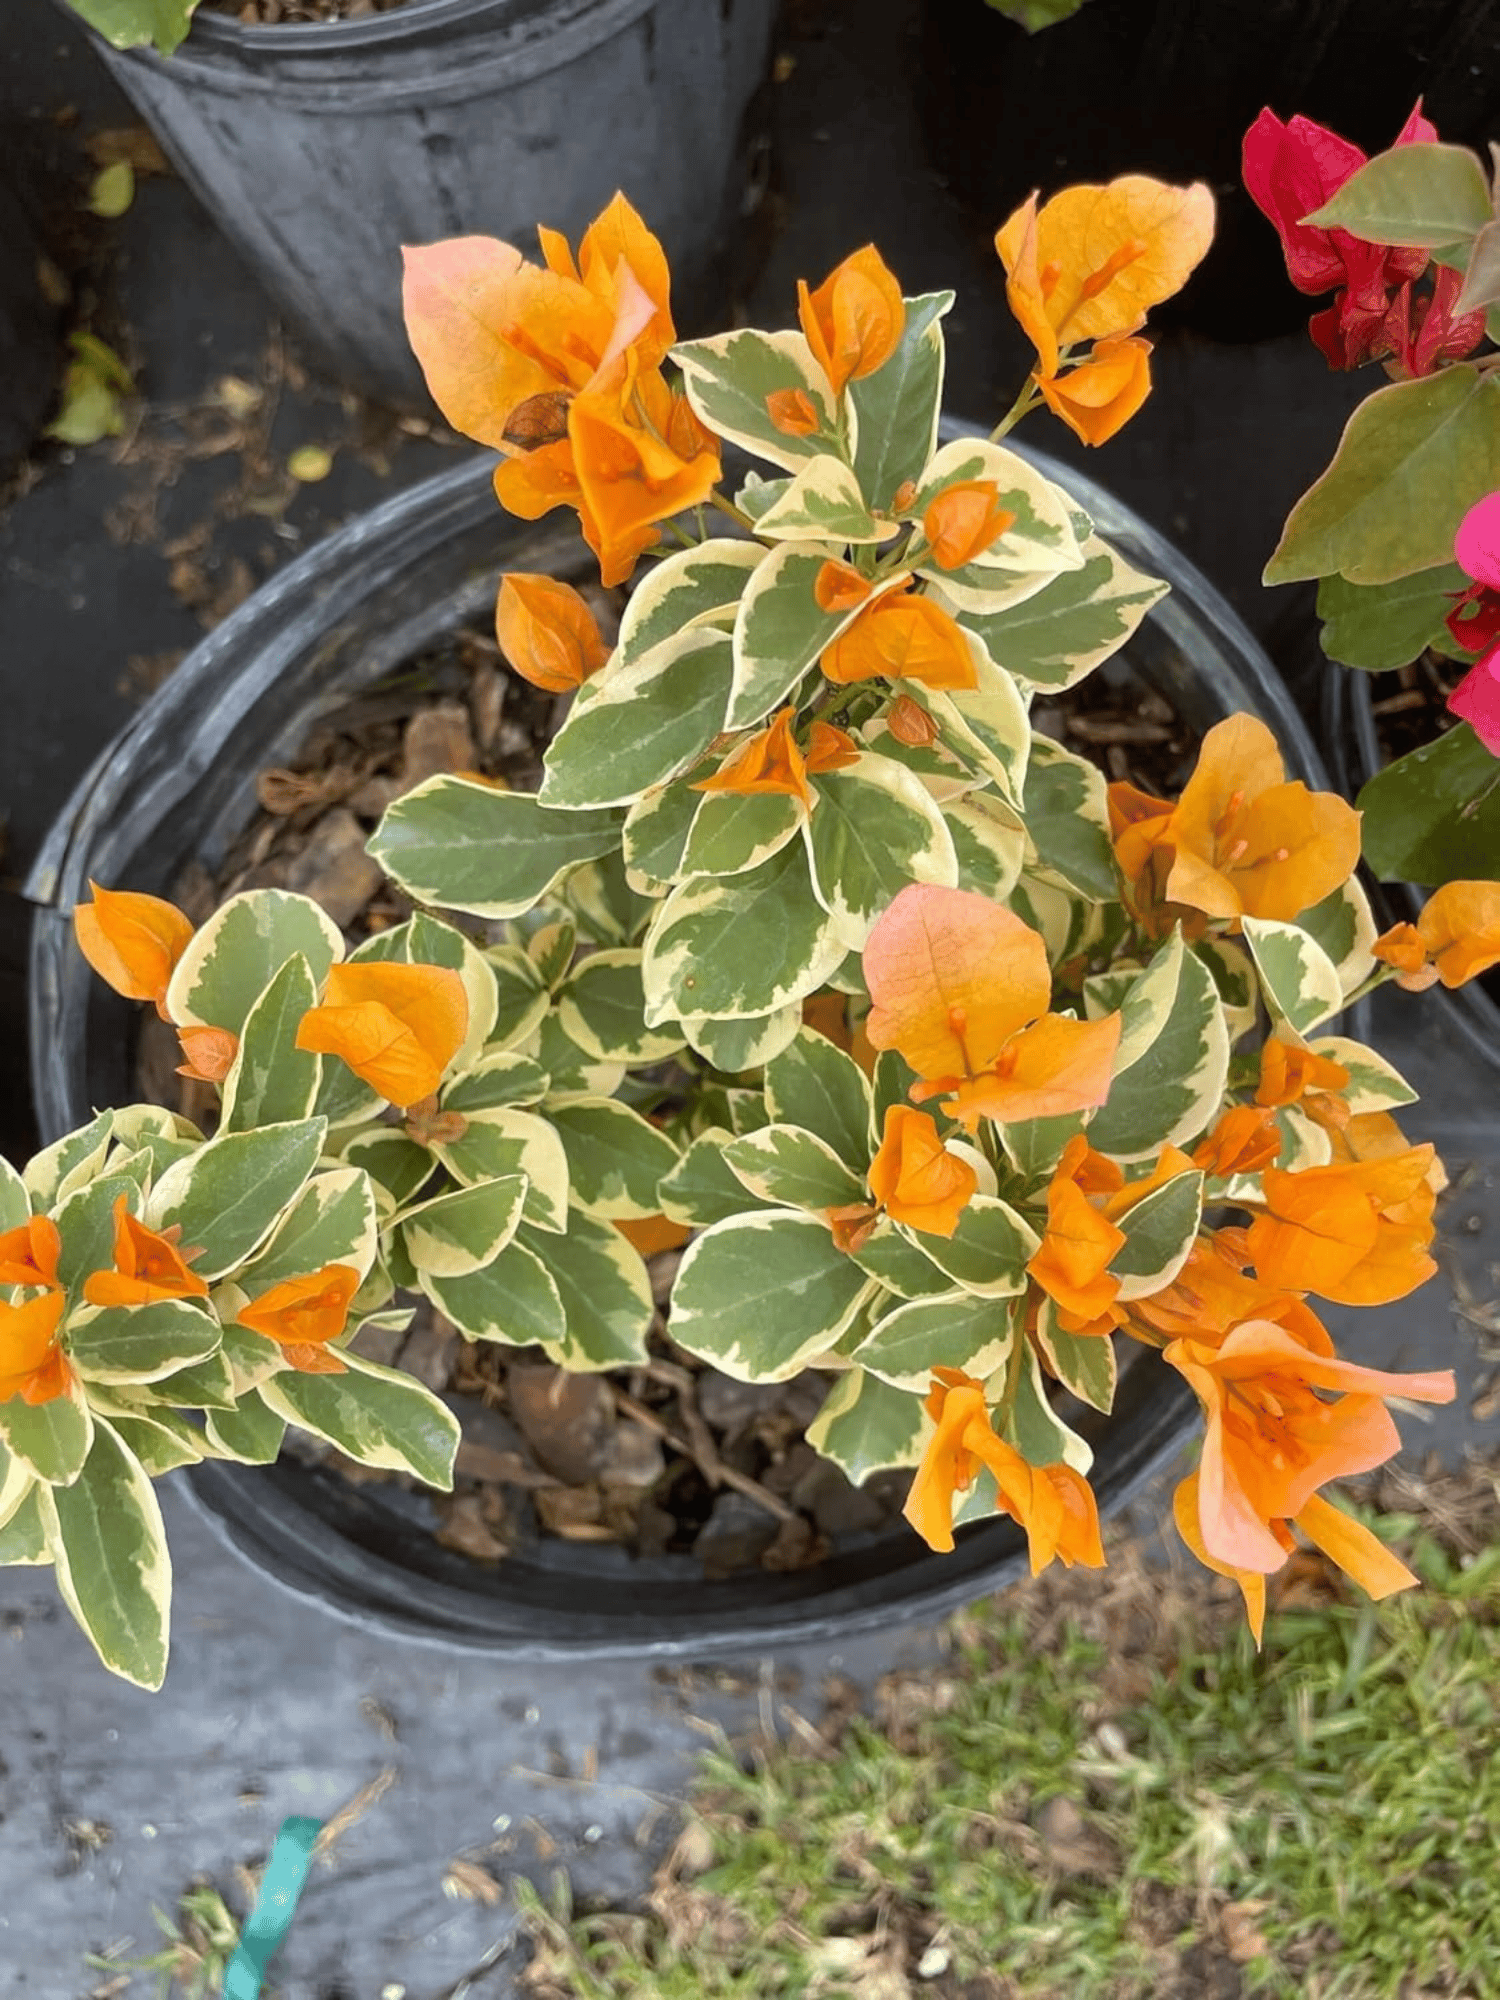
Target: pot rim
{"type": "Point", "coordinates": [492, 45]}
{"type": "Point", "coordinates": [260, 1512]}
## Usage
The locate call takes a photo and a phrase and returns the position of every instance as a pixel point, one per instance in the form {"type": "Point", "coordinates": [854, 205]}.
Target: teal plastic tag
{"type": "Point", "coordinates": [271, 1919]}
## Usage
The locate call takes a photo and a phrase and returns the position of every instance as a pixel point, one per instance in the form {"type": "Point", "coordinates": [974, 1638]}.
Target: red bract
{"type": "Point", "coordinates": [1290, 170]}
{"type": "Point", "coordinates": [1421, 333]}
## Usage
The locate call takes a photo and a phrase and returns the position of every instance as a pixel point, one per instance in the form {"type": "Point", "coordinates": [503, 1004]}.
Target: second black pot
{"type": "Point", "coordinates": [320, 148]}
{"type": "Point", "coordinates": [1355, 754]}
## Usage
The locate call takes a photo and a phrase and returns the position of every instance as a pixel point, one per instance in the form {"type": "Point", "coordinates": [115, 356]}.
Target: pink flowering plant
{"type": "Point", "coordinates": [1402, 532]}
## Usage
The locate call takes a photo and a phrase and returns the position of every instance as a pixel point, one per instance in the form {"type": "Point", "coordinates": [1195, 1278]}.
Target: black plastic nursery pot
{"type": "Point", "coordinates": [1355, 754]}
{"type": "Point", "coordinates": [320, 148]}
{"type": "Point", "coordinates": [178, 786]}
{"type": "Point", "coordinates": [1169, 87]}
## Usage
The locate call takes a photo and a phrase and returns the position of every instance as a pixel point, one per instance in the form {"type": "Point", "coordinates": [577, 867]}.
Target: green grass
{"type": "Point", "coordinates": [1320, 1821]}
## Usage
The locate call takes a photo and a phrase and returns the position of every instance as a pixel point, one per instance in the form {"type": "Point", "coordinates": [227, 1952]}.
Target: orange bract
{"type": "Point", "coordinates": [902, 636]}
{"type": "Point", "coordinates": [651, 1234]}
{"type": "Point", "coordinates": [793, 412]}
{"type": "Point", "coordinates": [396, 1026]}
{"type": "Point", "coordinates": [560, 369]}
{"type": "Point", "coordinates": [1457, 936]}
{"type": "Point", "coordinates": [1100, 396]}
{"type": "Point", "coordinates": [210, 1053]}
{"type": "Point", "coordinates": [1356, 1233]}
{"type": "Point", "coordinates": [1288, 1074]}
{"type": "Point", "coordinates": [32, 1365]}
{"type": "Point", "coordinates": [838, 586]}
{"type": "Point", "coordinates": [1093, 260]}
{"type": "Point", "coordinates": [148, 1265]}
{"type": "Point", "coordinates": [1077, 1247]}
{"type": "Point", "coordinates": [1241, 841]}
{"type": "Point", "coordinates": [302, 1315]}
{"type": "Point", "coordinates": [29, 1253]}
{"type": "Point", "coordinates": [915, 1178]}
{"type": "Point", "coordinates": [854, 320]}
{"type": "Point", "coordinates": [955, 980]}
{"type": "Point", "coordinates": [953, 977]}
{"type": "Point", "coordinates": [769, 761]}
{"type": "Point", "coordinates": [1271, 1441]}
{"type": "Point", "coordinates": [1244, 1140]}
{"type": "Point", "coordinates": [547, 632]}
{"type": "Point", "coordinates": [133, 942]}
{"type": "Point", "coordinates": [964, 520]}
{"type": "Point", "coordinates": [1053, 1503]}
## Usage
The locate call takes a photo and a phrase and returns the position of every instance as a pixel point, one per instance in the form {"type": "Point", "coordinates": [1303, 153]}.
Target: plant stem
{"type": "Point", "coordinates": [716, 499]}
{"type": "Point", "coordinates": [1028, 399]}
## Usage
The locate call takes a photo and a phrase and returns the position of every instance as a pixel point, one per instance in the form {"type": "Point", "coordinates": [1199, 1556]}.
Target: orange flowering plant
{"type": "Point", "coordinates": [963, 1076]}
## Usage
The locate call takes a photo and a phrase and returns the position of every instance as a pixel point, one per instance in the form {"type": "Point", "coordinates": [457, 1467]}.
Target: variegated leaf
{"type": "Point", "coordinates": [893, 412]}
{"type": "Point", "coordinates": [781, 630]}
{"type": "Point", "coordinates": [465, 1229]}
{"type": "Point", "coordinates": [1344, 925]}
{"type": "Point", "coordinates": [232, 959]}
{"type": "Point", "coordinates": [1034, 1427]}
{"type": "Point", "coordinates": [109, 1547]}
{"type": "Point", "coordinates": [1172, 1061]}
{"type": "Point", "coordinates": [501, 1077]}
{"type": "Point", "coordinates": [702, 1188]}
{"type": "Point", "coordinates": [741, 948]}
{"type": "Point", "coordinates": [1074, 623]}
{"type": "Point", "coordinates": [1373, 1084]}
{"type": "Point", "coordinates": [987, 1251]}
{"type": "Point", "coordinates": [732, 1047]}
{"type": "Point", "coordinates": [1083, 1362]}
{"type": "Point", "coordinates": [513, 1299]}
{"type": "Point", "coordinates": [733, 832]}
{"type": "Point", "coordinates": [953, 1330]}
{"type": "Point", "coordinates": [376, 1416]}
{"type": "Point", "coordinates": [1159, 1231]}
{"type": "Point", "coordinates": [695, 586]}
{"type": "Point", "coordinates": [730, 377]}
{"type": "Point", "coordinates": [1067, 816]}
{"type": "Point", "coordinates": [655, 835]}
{"type": "Point", "coordinates": [866, 1426]}
{"type": "Point", "coordinates": [227, 1197]}
{"type": "Point", "coordinates": [521, 996]}
{"type": "Point", "coordinates": [989, 849]}
{"type": "Point", "coordinates": [605, 1292]}
{"type": "Point", "coordinates": [872, 831]}
{"type": "Point", "coordinates": [142, 1343]}
{"type": "Point", "coordinates": [783, 1163]}
{"type": "Point", "coordinates": [760, 1295]}
{"type": "Point", "coordinates": [503, 1142]}
{"type": "Point", "coordinates": [615, 1156]}
{"type": "Point", "coordinates": [823, 503]}
{"type": "Point", "coordinates": [1300, 981]}
{"type": "Point", "coordinates": [641, 726]}
{"type": "Point", "coordinates": [813, 1084]}
{"type": "Point", "coordinates": [439, 842]}
{"type": "Point", "coordinates": [601, 1007]}
{"type": "Point", "coordinates": [271, 1080]}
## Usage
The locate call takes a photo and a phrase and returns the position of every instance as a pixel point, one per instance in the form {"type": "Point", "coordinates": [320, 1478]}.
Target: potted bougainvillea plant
{"type": "Point", "coordinates": [961, 1075]}
{"type": "Point", "coordinates": [1402, 532]}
